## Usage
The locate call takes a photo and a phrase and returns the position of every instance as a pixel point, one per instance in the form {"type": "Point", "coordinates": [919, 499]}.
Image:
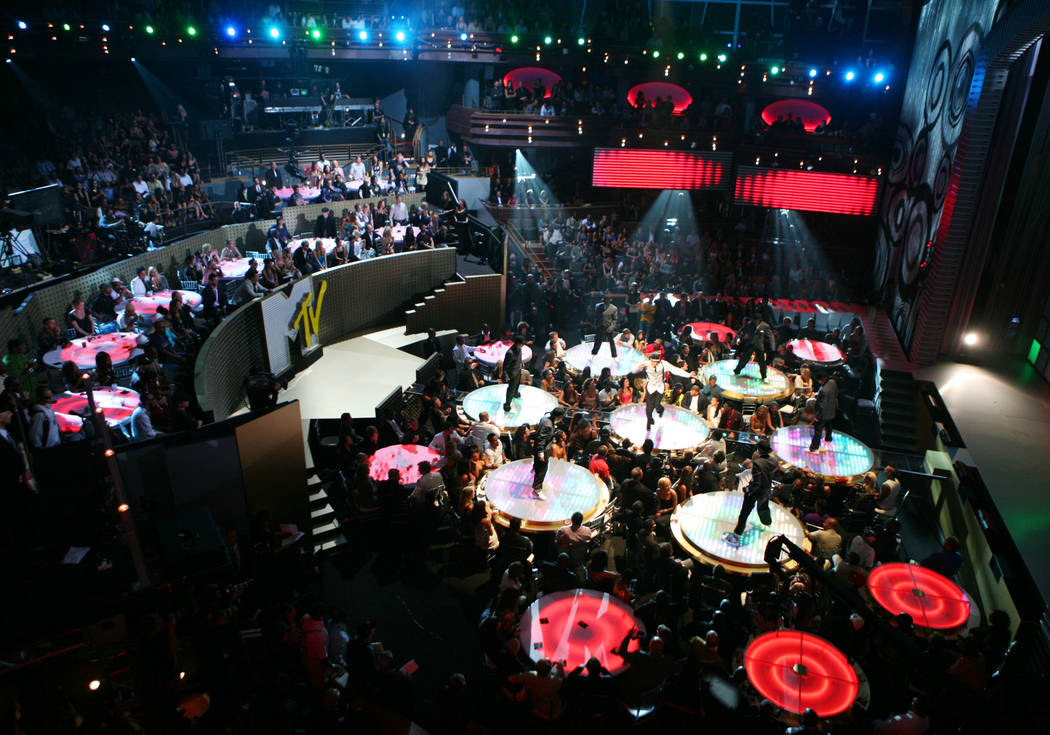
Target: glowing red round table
{"type": "Point", "coordinates": [121, 346]}
{"type": "Point", "coordinates": [815, 351]}
{"type": "Point", "coordinates": [932, 600]}
{"type": "Point", "coordinates": [146, 306]}
{"type": "Point", "coordinates": [575, 625]}
{"type": "Point", "coordinates": [702, 330]}
{"type": "Point", "coordinates": [402, 457]}
{"type": "Point", "coordinates": [117, 404]}
{"type": "Point", "coordinates": [797, 671]}
{"type": "Point", "coordinates": [492, 354]}
{"type": "Point", "coordinates": [237, 267]}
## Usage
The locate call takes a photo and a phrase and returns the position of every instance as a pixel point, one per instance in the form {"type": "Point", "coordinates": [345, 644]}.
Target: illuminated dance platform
{"type": "Point", "coordinates": [797, 671]}
{"type": "Point", "coordinates": [579, 357]}
{"type": "Point", "coordinates": [816, 352]}
{"type": "Point", "coordinates": [749, 386]}
{"type": "Point", "coordinates": [677, 429]}
{"type": "Point", "coordinates": [701, 331]}
{"type": "Point", "coordinates": [699, 523]}
{"type": "Point", "coordinates": [574, 625]}
{"type": "Point", "coordinates": [529, 409]}
{"type": "Point", "coordinates": [567, 488]}
{"type": "Point", "coordinates": [932, 600]}
{"type": "Point", "coordinates": [402, 457]}
{"type": "Point", "coordinates": [842, 457]}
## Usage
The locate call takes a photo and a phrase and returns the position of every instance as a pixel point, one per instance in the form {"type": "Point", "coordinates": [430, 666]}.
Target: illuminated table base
{"type": "Point", "coordinates": [699, 523]}
{"type": "Point", "coordinates": [842, 457]}
{"type": "Point", "coordinates": [931, 599]}
{"type": "Point", "coordinates": [402, 457]}
{"type": "Point", "coordinates": [568, 488]}
{"type": "Point", "coordinates": [528, 409]}
{"type": "Point", "coordinates": [579, 357]}
{"type": "Point", "coordinates": [677, 429]}
{"type": "Point", "coordinates": [816, 352]}
{"type": "Point", "coordinates": [797, 671]}
{"type": "Point", "coordinates": [749, 386]}
{"type": "Point", "coordinates": [574, 625]}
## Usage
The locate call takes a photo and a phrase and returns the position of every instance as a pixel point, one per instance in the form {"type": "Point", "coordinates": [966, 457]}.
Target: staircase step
{"type": "Point", "coordinates": [319, 494]}
{"type": "Point", "coordinates": [331, 525]}
{"type": "Point", "coordinates": [324, 510]}
{"type": "Point", "coordinates": [329, 544]}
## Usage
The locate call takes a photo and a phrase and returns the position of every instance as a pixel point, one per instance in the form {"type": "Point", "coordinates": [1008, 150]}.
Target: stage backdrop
{"type": "Point", "coordinates": [917, 192]}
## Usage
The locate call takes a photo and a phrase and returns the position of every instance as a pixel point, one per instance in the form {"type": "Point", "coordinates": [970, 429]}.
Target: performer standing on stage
{"type": "Point", "coordinates": [759, 342]}
{"type": "Point", "coordinates": [605, 324]}
{"type": "Point", "coordinates": [655, 371]}
{"type": "Point", "coordinates": [541, 442]}
{"type": "Point", "coordinates": [827, 406]}
{"type": "Point", "coordinates": [512, 371]}
{"type": "Point", "coordinates": [757, 492]}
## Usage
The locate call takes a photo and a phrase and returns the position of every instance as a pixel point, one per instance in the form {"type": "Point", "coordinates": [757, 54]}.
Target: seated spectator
{"type": "Point", "coordinates": [948, 560]}
{"type": "Point", "coordinates": [543, 688]}
{"type": "Point", "coordinates": [826, 542]}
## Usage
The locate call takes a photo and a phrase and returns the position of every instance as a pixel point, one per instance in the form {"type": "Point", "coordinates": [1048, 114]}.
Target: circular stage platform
{"type": "Point", "coordinates": [749, 386]}
{"type": "Point", "coordinates": [528, 409]}
{"type": "Point", "coordinates": [403, 457]}
{"type": "Point", "coordinates": [568, 488]}
{"type": "Point", "coordinates": [574, 625]}
{"type": "Point", "coordinates": [579, 357]}
{"type": "Point", "coordinates": [932, 600]}
{"type": "Point", "coordinates": [842, 458]}
{"type": "Point", "coordinates": [701, 331]}
{"type": "Point", "coordinates": [492, 354]}
{"type": "Point", "coordinates": [797, 671]}
{"type": "Point", "coordinates": [698, 524]}
{"type": "Point", "coordinates": [816, 352]}
{"type": "Point", "coordinates": [677, 429]}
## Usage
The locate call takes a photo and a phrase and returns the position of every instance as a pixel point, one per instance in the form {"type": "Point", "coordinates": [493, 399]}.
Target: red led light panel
{"type": "Point", "coordinates": [932, 600]}
{"type": "Point", "coordinates": [796, 671]}
{"type": "Point", "coordinates": [809, 191]}
{"type": "Point", "coordinates": [654, 169]}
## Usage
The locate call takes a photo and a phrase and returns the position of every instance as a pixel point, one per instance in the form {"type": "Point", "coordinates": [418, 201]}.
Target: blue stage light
{"type": "Point", "coordinates": [850, 75]}
{"type": "Point", "coordinates": [231, 31]}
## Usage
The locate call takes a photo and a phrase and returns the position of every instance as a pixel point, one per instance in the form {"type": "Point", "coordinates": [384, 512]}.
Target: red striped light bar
{"type": "Point", "coordinates": [631, 168]}
{"type": "Point", "coordinates": [809, 191]}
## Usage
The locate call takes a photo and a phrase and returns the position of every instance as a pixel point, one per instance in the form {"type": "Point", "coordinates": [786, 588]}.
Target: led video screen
{"type": "Point", "coordinates": [631, 168]}
{"type": "Point", "coordinates": [810, 191]}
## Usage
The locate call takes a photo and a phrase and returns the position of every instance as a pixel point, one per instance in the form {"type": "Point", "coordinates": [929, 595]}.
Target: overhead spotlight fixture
{"type": "Point", "coordinates": [362, 35]}
{"type": "Point", "coordinates": [722, 58]}
{"type": "Point", "coordinates": [680, 55]}
{"type": "Point", "coordinates": [703, 56]}
{"type": "Point", "coordinates": [774, 70]}
{"type": "Point", "coordinates": [94, 685]}
{"type": "Point", "coordinates": [231, 31]}
{"type": "Point", "coordinates": [22, 25]}
{"type": "Point", "coordinates": [132, 59]}
{"type": "Point", "coordinates": [105, 27]}
{"type": "Point", "coordinates": [879, 77]}
{"type": "Point", "coordinates": [656, 53]}
{"type": "Point", "coordinates": [149, 30]}
{"type": "Point", "coordinates": [316, 34]}
{"type": "Point", "coordinates": [970, 339]}
{"type": "Point", "coordinates": [275, 32]}
{"type": "Point", "coordinates": [462, 36]}
{"type": "Point", "coordinates": [850, 75]}
{"type": "Point", "coordinates": [191, 31]}
{"type": "Point", "coordinates": [548, 40]}
{"type": "Point", "coordinates": [514, 38]}
{"type": "Point", "coordinates": [581, 41]}
{"type": "Point", "coordinates": [812, 73]}
{"type": "Point", "coordinates": [399, 36]}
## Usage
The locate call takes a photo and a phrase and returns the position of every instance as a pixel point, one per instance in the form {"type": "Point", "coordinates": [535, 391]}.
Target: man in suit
{"type": "Point", "coordinates": [605, 323]}
{"type": "Point", "coordinates": [827, 406]}
{"type": "Point", "coordinates": [763, 465]}
{"type": "Point", "coordinates": [541, 441]}
{"type": "Point", "coordinates": [273, 177]}
{"type": "Point", "coordinates": [760, 345]}
{"type": "Point", "coordinates": [324, 226]}
{"type": "Point", "coordinates": [512, 371]}
{"type": "Point", "coordinates": [211, 300]}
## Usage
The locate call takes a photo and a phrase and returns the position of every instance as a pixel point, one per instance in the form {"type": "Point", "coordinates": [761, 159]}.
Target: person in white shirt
{"type": "Point", "coordinates": [139, 286]}
{"type": "Point", "coordinates": [430, 481]}
{"type": "Point", "coordinates": [861, 546]}
{"type": "Point", "coordinates": [357, 170]}
{"type": "Point", "coordinates": [607, 395]}
{"type": "Point", "coordinates": [140, 186]}
{"type": "Point", "coordinates": [555, 347]}
{"type": "Point", "coordinates": [128, 318]}
{"type": "Point", "coordinates": [445, 441]}
{"type": "Point", "coordinates": [461, 352]}
{"type": "Point", "coordinates": [186, 179]}
{"type": "Point", "coordinates": [141, 423]}
{"type": "Point", "coordinates": [43, 424]}
{"type": "Point", "coordinates": [655, 383]}
{"type": "Point", "coordinates": [478, 435]}
{"type": "Point", "coordinates": [494, 455]}
{"type": "Point", "coordinates": [230, 251]}
{"type": "Point", "coordinates": [399, 212]}
{"type": "Point", "coordinates": [886, 504]}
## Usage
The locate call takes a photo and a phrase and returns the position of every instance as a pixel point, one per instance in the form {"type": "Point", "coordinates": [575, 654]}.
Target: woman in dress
{"type": "Point", "coordinates": [81, 320]}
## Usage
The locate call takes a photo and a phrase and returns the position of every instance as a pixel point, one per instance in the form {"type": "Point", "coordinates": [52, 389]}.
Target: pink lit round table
{"type": "Point", "coordinates": [237, 268]}
{"type": "Point", "coordinates": [398, 232]}
{"type": "Point", "coordinates": [402, 457]}
{"type": "Point", "coordinates": [797, 671]}
{"type": "Point", "coordinates": [815, 351]}
{"type": "Point", "coordinates": [575, 625]}
{"type": "Point", "coordinates": [306, 192]}
{"type": "Point", "coordinates": [702, 330]}
{"type": "Point", "coordinates": [932, 600]}
{"type": "Point", "coordinates": [117, 404]}
{"type": "Point", "coordinates": [146, 306]}
{"type": "Point", "coordinates": [492, 354]}
{"type": "Point", "coordinates": [121, 346]}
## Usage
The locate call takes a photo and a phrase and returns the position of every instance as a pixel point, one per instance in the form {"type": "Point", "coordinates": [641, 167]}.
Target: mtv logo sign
{"type": "Point", "coordinates": [286, 315]}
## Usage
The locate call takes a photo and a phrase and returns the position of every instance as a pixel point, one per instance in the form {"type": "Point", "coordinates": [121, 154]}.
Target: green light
{"type": "Point", "coordinates": [656, 53]}
{"type": "Point", "coordinates": [548, 40]}
{"type": "Point", "coordinates": [65, 26]}
{"type": "Point", "coordinates": [774, 70]}
{"type": "Point", "coordinates": [514, 38]}
{"type": "Point", "coordinates": [1033, 351]}
{"type": "Point", "coordinates": [149, 30]}
{"type": "Point", "coordinates": [703, 56]}
{"type": "Point", "coordinates": [722, 58]}
{"type": "Point", "coordinates": [315, 34]}
{"type": "Point", "coordinates": [191, 31]}
{"type": "Point", "coordinates": [581, 40]}
{"type": "Point", "coordinates": [680, 55]}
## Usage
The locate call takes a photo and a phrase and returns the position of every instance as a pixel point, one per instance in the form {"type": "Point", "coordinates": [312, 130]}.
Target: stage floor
{"type": "Point", "coordinates": [579, 357]}
{"type": "Point", "coordinates": [677, 429]}
{"type": "Point", "coordinates": [842, 457]}
{"type": "Point", "coordinates": [528, 409]}
{"type": "Point", "coordinates": [698, 525]}
{"type": "Point", "coordinates": [568, 488]}
{"type": "Point", "coordinates": [749, 386]}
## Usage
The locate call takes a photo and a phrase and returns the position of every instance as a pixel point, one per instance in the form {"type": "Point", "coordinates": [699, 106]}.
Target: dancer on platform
{"type": "Point", "coordinates": [605, 324]}
{"type": "Point", "coordinates": [827, 407]}
{"type": "Point", "coordinates": [655, 371]}
{"type": "Point", "coordinates": [512, 371]}
{"type": "Point", "coordinates": [541, 442]}
{"type": "Point", "coordinates": [759, 343]}
{"type": "Point", "coordinates": [757, 492]}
